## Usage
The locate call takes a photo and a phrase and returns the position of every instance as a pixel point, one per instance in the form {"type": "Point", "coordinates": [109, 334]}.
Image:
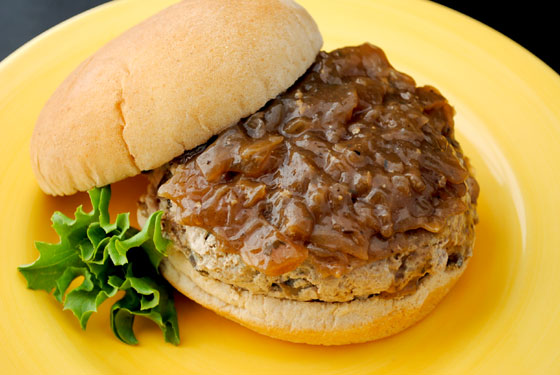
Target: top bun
{"type": "Point", "coordinates": [166, 86]}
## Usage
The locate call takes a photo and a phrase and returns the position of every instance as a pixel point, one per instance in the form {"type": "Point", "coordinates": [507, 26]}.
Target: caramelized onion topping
{"type": "Point", "coordinates": [351, 154]}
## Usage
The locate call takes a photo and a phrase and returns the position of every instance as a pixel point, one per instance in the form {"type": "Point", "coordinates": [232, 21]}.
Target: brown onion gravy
{"type": "Point", "coordinates": [351, 154]}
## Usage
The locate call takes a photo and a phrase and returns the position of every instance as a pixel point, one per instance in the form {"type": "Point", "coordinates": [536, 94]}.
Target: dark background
{"type": "Point", "coordinates": [532, 24]}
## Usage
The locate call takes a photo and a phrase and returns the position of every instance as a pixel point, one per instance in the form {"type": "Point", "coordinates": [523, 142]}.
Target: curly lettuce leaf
{"type": "Point", "coordinates": [108, 257]}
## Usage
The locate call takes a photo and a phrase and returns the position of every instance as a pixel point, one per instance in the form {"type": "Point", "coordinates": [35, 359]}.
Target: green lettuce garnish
{"type": "Point", "coordinates": [110, 257]}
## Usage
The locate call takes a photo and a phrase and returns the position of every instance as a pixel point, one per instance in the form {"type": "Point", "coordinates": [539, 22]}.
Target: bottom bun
{"type": "Point", "coordinates": [322, 323]}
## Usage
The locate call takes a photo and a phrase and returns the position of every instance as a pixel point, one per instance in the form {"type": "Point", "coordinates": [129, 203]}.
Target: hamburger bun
{"type": "Point", "coordinates": [195, 70]}
{"type": "Point", "coordinates": [166, 86]}
{"type": "Point", "coordinates": [315, 322]}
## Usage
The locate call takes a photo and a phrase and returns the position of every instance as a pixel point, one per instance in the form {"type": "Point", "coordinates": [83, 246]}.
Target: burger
{"type": "Point", "coordinates": [313, 197]}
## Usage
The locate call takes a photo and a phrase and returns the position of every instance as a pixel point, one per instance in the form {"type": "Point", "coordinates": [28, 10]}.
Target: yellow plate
{"type": "Point", "coordinates": [502, 317]}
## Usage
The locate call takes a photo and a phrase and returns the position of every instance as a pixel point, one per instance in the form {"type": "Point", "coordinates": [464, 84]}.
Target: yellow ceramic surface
{"type": "Point", "coordinates": [502, 317]}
